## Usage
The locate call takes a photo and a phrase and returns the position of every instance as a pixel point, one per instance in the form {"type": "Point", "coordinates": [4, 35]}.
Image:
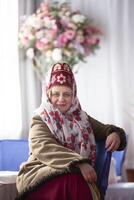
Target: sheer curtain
{"type": "Point", "coordinates": [10, 103]}
{"type": "Point", "coordinates": [20, 89]}
{"type": "Point", "coordinates": [30, 85]}
{"type": "Point", "coordinates": [105, 82]}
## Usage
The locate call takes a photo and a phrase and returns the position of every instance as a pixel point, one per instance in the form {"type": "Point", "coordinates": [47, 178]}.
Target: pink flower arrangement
{"type": "Point", "coordinates": [53, 33]}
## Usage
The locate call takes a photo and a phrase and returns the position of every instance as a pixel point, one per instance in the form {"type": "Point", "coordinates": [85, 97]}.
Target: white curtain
{"type": "Point", "coordinates": [30, 85]}
{"type": "Point", "coordinates": [10, 107]}
{"type": "Point", "coordinates": [20, 90]}
{"type": "Point", "coordinates": [106, 81]}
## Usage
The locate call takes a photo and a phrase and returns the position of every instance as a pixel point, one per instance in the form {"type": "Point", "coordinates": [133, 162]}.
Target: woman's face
{"type": "Point", "coordinates": [61, 97]}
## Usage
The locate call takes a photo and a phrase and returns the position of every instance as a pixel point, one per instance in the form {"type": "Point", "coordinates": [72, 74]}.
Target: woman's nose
{"type": "Point", "coordinates": [61, 97]}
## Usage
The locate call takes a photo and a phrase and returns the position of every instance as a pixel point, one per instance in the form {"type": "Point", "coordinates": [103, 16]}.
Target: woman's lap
{"type": "Point", "coordinates": [66, 187]}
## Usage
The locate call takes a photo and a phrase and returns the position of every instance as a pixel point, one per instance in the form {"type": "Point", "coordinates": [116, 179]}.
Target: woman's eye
{"type": "Point", "coordinates": [67, 95]}
{"type": "Point", "coordinates": [55, 95]}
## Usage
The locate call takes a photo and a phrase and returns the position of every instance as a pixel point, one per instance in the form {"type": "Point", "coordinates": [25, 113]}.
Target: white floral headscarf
{"type": "Point", "coordinates": [72, 129]}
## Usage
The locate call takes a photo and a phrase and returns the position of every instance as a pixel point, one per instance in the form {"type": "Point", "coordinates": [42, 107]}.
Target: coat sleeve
{"type": "Point", "coordinates": [45, 148]}
{"type": "Point", "coordinates": [101, 131]}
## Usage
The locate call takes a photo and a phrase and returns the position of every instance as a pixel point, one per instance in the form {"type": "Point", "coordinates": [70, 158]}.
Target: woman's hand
{"type": "Point", "coordinates": [113, 142]}
{"type": "Point", "coordinates": [88, 172]}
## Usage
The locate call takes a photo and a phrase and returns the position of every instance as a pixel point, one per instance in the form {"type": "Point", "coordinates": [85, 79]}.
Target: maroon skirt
{"type": "Point", "coordinates": [66, 187]}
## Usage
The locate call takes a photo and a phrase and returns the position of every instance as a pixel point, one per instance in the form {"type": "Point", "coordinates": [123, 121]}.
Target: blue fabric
{"type": "Point", "coordinates": [119, 158]}
{"type": "Point", "coordinates": [102, 166]}
{"type": "Point", "coordinates": [12, 154]}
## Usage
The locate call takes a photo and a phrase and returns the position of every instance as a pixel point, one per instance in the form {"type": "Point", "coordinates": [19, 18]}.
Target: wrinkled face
{"type": "Point", "coordinates": [61, 97]}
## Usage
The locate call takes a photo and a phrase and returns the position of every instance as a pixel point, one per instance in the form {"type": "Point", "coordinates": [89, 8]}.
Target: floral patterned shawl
{"type": "Point", "coordinates": [72, 129]}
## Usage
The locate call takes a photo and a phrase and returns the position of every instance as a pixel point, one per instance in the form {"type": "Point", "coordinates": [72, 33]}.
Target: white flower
{"type": "Point", "coordinates": [48, 54]}
{"type": "Point", "coordinates": [30, 53]}
{"type": "Point", "coordinates": [61, 79]}
{"type": "Point", "coordinates": [57, 54]}
{"type": "Point", "coordinates": [40, 34]}
{"type": "Point", "coordinates": [78, 18]}
{"type": "Point", "coordinates": [48, 22]}
{"type": "Point", "coordinates": [34, 21]}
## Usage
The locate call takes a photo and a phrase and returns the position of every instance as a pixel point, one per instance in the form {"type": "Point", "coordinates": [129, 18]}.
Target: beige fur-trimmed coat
{"type": "Point", "coordinates": [48, 158]}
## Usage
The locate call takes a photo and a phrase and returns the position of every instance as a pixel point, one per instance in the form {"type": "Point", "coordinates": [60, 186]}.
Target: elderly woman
{"type": "Point", "coordinates": [62, 144]}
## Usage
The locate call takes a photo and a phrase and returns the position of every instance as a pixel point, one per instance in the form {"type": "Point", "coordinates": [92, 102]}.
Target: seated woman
{"type": "Point", "coordinates": [62, 144]}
